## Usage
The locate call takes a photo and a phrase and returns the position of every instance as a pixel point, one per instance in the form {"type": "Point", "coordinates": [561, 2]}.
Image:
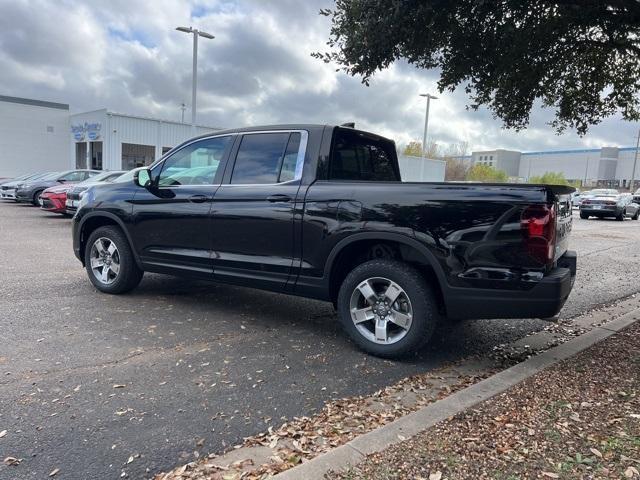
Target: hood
{"type": "Point", "coordinates": [59, 188]}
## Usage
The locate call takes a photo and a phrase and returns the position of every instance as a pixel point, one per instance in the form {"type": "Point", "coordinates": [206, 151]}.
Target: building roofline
{"type": "Point", "coordinates": [35, 103]}
{"type": "Point", "coordinates": [156, 119]}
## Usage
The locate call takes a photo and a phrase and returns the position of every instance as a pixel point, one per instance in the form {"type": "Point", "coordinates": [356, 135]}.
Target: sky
{"type": "Point", "coordinates": [125, 55]}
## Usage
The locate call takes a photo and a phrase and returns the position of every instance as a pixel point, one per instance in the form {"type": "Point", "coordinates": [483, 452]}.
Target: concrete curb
{"type": "Point", "coordinates": [405, 427]}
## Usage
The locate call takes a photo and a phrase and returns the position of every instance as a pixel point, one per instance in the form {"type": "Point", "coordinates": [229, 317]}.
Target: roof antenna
{"type": "Point", "coordinates": [349, 124]}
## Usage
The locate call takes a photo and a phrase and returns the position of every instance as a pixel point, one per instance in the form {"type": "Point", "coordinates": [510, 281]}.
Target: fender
{"type": "Point", "coordinates": [429, 257]}
{"type": "Point", "coordinates": [118, 221]}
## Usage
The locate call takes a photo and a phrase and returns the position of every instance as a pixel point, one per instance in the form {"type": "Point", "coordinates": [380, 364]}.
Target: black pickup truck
{"type": "Point", "coordinates": [320, 211]}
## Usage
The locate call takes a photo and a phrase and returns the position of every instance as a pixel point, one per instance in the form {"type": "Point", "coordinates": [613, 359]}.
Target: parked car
{"type": "Point", "coordinates": [321, 212]}
{"type": "Point", "coordinates": [75, 192]}
{"type": "Point", "coordinates": [16, 179]}
{"type": "Point", "coordinates": [8, 189]}
{"type": "Point", "coordinates": [54, 199]}
{"type": "Point", "coordinates": [31, 190]}
{"type": "Point", "coordinates": [619, 206]}
{"type": "Point", "coordinates": [636, 196]}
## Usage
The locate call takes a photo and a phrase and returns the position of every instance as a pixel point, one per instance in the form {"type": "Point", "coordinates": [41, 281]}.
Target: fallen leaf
{"type": "Point", "coordinates": [550, 475]}
{"type": "Point", "coordinates": [12, 461]}
{"type": "Point", "coordinates": [54, 472]}
{"type": "Point", "coordinates": [631, 472]}
{"type": "Point", "coordinates": [596, 452]}
{"type": "Point", "coordinates": [118, 385]}
{"type": "Point", "coordinates": [3, 433]}
{"type": "Point", "coordinates": [435, 476]}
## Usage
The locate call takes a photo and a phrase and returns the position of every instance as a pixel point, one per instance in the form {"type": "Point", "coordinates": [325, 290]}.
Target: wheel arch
{"type": "Point", "coordinates": [92, 221]}
{"type": "Point", "coordinates": [341, 260]}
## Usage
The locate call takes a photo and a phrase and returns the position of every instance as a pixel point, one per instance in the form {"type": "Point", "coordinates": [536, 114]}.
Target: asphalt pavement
{"type": "Point", "coordinates": [99, 386]}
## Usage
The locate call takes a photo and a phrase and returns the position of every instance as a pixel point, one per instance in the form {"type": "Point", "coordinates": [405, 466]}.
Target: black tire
{"type": "Point", "coordinates": [36, 198]}
{"type": "Point", "coordinates": [421, 299]}
{"type": "Point", "coordinates": [635, 217]}
{"type": "Point", "coordinates": [584, 216]}
{"type": "Point", "coordinates": [129, 274]}
{"type": "Point", "coordinates": [620, 217]}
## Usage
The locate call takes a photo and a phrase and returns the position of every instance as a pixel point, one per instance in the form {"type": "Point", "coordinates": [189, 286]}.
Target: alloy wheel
{"type": "Point", "coordinates": [105, 260]}
{"type": "Point", "coordinates": [381, 310]}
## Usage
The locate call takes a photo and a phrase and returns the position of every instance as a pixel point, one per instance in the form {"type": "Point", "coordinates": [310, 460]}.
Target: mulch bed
{"type": "Point", "coordinates": [577, 420]}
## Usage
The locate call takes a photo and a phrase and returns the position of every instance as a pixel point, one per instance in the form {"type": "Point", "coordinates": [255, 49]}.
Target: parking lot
{"type": "Point", "coordinates": [89, 381]}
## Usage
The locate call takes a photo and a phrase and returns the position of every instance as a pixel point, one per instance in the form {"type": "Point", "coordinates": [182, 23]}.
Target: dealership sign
{"type": "Point", "coordinates": [86, 130]}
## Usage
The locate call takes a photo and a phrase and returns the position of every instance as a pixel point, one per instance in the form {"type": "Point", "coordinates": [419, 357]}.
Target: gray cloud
{"type": "Point", "coordinates": [125, 55]}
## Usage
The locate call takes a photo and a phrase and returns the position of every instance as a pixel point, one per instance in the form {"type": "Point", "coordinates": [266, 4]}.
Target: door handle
{"type": "Point", "coordinates": [279, 197]}
{"type": "Point", "coordinates": [198, 198]}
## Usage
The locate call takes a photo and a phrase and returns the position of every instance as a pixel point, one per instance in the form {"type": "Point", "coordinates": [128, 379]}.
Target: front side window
{"type": "Point", "coordinates": [266, 158]}
{"type": "Point", "coordinates": [74, 176]}
{"type": "Point", "coordinates": [195, 164]}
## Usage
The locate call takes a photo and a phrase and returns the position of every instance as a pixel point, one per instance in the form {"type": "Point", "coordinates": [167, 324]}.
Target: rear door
{"type": "Point", "coordinates": [171, 220]}
{"type": "Point", "coordinates": [252, 227]}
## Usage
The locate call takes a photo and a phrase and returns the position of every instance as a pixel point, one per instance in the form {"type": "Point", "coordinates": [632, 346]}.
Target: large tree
{"type": "Point", "coordinates": [579, 57]}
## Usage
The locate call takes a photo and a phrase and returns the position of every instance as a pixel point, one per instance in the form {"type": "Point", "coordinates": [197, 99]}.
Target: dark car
{"type": "Point", "coordinates": [74, 193]}
{"type": "Point", "coordinates": [321, 212]}
{"type": "Point", "coordinates": [8, 189]}
{"type": "Point", "coordinates": [616, 206]}
{"type": "Point", "coordinates": [30, 190]}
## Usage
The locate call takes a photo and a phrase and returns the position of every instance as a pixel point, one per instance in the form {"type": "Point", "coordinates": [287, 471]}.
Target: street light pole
{"type": "Point", "coordinates": [196, 33]}
{"type": "Point", "coordinates": [635, 163]}
{"type": "Point", "coordinates": [426, 122]}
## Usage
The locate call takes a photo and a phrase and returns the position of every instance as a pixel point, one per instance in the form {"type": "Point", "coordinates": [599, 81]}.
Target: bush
{"type": "Point", "coordinates": [549, 178]}
{"type": "Point", "coordinates": [485, 173]}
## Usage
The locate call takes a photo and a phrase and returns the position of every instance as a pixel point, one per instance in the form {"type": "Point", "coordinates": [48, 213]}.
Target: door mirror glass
{"type": "Point", "coordinates": [142, 178]}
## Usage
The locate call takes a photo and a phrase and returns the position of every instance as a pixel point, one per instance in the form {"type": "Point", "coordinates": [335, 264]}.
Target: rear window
{"type": "Point", "coordinates": [266, 158]}
{"type": "Point", "coordinates": [356, 156]}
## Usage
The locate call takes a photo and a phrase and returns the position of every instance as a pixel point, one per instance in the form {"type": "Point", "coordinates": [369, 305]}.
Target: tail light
{"type": "Point", "coordinates": [586, 202]}
{"type": "Point", "coordinates": [538, 225]}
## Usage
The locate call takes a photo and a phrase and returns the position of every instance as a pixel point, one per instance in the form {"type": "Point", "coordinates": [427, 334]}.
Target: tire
{"type": "Point", "coordinates": [416, 299]}
{"type": "Point", "coordinates": [635, 217]}
{"type": "Point", "coordinates": [584, 216]}
{"type": "Point", "coordinates": [620, 217]}
{"type": "Point", "coordinates": [36, 198]}
{"type": "Point", "coordinates": [128, 273]}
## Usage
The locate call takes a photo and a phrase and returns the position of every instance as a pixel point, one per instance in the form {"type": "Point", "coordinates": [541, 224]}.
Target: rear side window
{"type": "Point", "coordinates": [266, 158]}
{"type": "Point", "coordinates": [358, 157]}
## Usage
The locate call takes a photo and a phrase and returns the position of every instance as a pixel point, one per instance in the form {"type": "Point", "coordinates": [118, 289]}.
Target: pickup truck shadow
{"type": "Point", "coordinates": [316, 322]}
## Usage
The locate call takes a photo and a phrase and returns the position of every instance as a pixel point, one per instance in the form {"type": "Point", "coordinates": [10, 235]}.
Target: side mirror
{"type": "Point", "coordinates": [142, 178]}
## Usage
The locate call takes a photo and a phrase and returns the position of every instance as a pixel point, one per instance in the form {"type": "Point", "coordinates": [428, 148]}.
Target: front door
{"type": "Point", "coordinates": [171, 218]}
{"type": "Point", "coordinates": [252, 228]}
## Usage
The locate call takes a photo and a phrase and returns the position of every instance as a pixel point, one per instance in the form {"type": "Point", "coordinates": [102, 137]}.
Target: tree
{"type": "Point", "coordinates": [413, 149]}
{"type": "Point", "coordinates": [457, 167]}
{"type": "Point", "coordinates": [549, 178]}
{"type": "Point", "coordinates": [485, 173]}
{"type": "Point", "coordinates": [579, 57]}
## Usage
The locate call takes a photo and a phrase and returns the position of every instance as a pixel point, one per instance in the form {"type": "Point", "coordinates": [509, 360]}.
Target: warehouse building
{"type": "Point", "coordinates": [602, 167]}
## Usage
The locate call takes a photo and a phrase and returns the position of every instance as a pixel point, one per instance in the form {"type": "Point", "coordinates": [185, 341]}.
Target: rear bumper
{"type": "Point", "coordinates": [542, 301]}
{"type": "Point", "coordinates": [601, 212]}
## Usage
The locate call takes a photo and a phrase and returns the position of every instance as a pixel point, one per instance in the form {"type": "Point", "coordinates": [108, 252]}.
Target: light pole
{"type": "Point", "coordinates": [426, 122]}
{"type": "Point", "coordinates": [196, 33]}
{"type": "Point", "coordinates": [635, 163]}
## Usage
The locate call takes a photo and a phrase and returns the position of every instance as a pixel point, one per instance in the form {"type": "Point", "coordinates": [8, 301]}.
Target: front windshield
{"type": "Point", "coordinates": [603, 191]}
{"type": "Point", "coordinates": [48, 176]}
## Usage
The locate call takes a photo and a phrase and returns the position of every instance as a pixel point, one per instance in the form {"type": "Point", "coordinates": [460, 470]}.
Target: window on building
{"type": "Point", "coordinates": [195, 164]}
{"type": "Point", "coordinates": [266, 158]}
{"type": "Point", "coordinates": [135, 155]}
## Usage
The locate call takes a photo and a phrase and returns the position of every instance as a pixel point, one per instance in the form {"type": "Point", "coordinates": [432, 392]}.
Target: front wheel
{"type": "Point", "coordinates": [387, 308]}
{"type": "Point", "coordinates": [109, 261]}
{"type": "Point", "coordinates": [584, 216]}
{"type": "Point", "coordinates": [37, 198]}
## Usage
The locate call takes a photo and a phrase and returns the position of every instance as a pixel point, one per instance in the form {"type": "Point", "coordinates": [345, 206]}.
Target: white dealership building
{"type": "Point", "coordinates": [37, 135]}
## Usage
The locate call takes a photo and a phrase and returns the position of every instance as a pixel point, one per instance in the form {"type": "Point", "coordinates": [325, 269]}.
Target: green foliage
{"type": "Point", "coordinates": [549, 178]}
{"type": "Point", "coordinates": [485, 173]}
{"type": "Point", "coordinates": [413, 149]}
{"type": "Point", "coordinates": [581, 59]}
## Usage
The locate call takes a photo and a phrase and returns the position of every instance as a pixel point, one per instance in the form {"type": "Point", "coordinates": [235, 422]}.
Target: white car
{"type": "Point", "coordinates": [8, 189]}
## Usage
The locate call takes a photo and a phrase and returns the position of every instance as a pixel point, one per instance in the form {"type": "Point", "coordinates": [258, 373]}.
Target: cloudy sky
{"type": "Point", "coordinates": [126, 56]}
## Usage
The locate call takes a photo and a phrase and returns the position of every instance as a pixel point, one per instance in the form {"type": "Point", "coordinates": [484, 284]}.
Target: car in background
{"type": "Point", "coordinates": [620, 205]}
{"type": "Point", "coordinates": [8, 189]}
{"type": "Point", "coordinates": [54, 199]}
{"type": "Point", "coordinates": [636, 196]}
{"type": "Point", "coordinates": [75, 192]}
{"type": "Point", "coordinates": [31, 190]}
{"type": "Point", "coordinates": [16, 179]}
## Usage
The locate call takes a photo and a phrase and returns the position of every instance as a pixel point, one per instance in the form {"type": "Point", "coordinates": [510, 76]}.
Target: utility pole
{"type": "Point", "coordinates": [426, 123]}
{"type": "Point", "coordinates": [196, 33]}
{"type": "Point", "coordinates": [635, 163]}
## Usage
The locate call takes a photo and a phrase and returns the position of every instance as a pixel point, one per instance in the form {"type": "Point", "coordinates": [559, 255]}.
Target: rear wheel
{"type": "Point", "coordinates": [584, 216]}
{"type": "Point", "coordinates": [635, 217]}
{"type": "Point", "coordinates": [109, 261]}
{"type": "Point", "coordinates": [620, 216]}
{"type": "Point", "coordinates": [387, 308]}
